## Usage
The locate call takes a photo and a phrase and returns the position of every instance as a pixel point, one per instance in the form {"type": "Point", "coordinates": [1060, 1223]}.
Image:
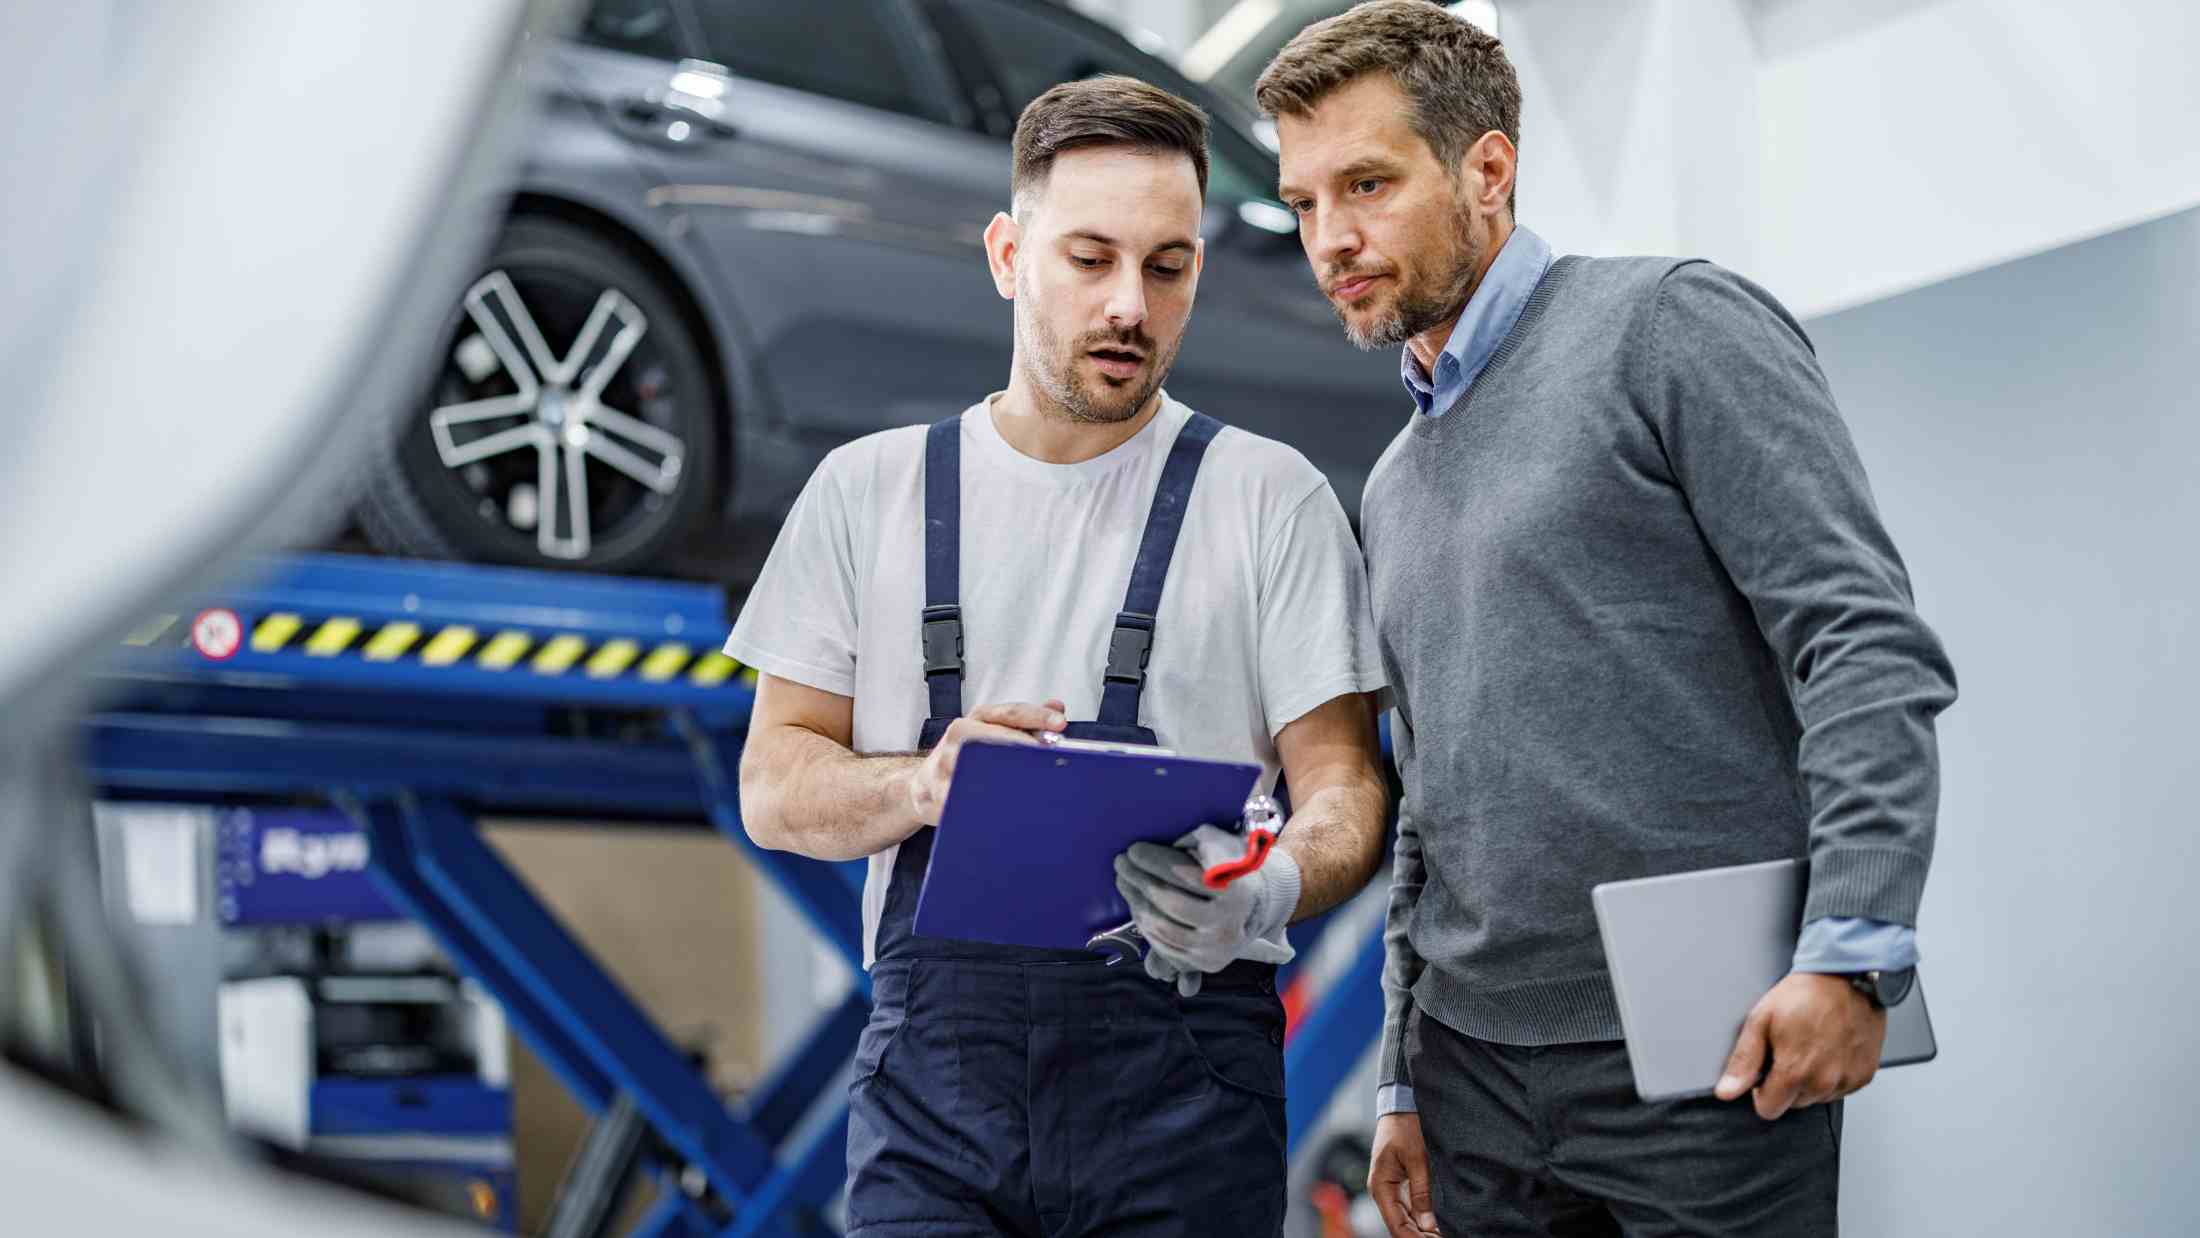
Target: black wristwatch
{"type": "Point", "coordinates": [1883, 988]}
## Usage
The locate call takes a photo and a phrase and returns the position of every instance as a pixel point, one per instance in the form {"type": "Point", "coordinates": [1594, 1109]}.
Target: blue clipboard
{"type": "Point", "coordinates": [1025, 850]}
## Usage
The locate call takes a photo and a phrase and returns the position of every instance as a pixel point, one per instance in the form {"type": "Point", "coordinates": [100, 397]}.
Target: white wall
{"type": "Point", "coordinates": [1610, 89]}
{"type": "Point", "coordinates": [1841, 151]}
{"type": "Point", "coordinates": [1909, 140]}
{"type": "Point", "coordinates": [2032, 433]}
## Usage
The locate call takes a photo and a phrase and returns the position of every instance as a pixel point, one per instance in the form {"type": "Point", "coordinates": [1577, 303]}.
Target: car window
{"type": "Point", "coordinates": [864, 51]}
{"type": "Point", "coordinates": [644, 27]}
{"type": "Point", "coordinates": [1030, 52]}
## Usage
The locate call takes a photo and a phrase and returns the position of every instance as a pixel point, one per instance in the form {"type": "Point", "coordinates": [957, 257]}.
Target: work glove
{"type": "Point", "coordinates": [1191, 930]}
{"type": "Point", "coordinates": [1188, 981]}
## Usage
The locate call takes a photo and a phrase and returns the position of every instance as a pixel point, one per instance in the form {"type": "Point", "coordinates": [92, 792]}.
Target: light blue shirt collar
{"type": "Point", "coordinates": [1483, 325]}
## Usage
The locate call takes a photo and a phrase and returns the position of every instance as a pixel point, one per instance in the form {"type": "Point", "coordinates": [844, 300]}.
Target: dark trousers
{"type": "Point", "coordinates": [1552, 1140]}
{"type": "Point", "coordinates": [1047, 1100]}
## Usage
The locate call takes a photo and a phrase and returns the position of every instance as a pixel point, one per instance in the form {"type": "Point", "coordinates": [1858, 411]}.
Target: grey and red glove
{"type": "Point", "coordinates": [1192, 929]}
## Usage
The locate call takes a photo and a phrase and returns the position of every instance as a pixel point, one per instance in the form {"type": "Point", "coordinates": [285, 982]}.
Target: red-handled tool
{"type": "Point", "coordinates": [1259, 842]}
{"type": "Point", "coordinates": [1262, 822]}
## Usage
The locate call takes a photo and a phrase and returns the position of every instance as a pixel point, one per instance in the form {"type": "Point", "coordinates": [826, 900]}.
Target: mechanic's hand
{"type": "Point", "coordinates": [1187, 979]}
{"type": "Point", "coordinates": [1397, 1176]}
{"type": "Point", "coordinates": [1192, 928]}
{"type": "Point", "coordinates": [1823, 1038]}
{"type": "Point", "coordinates": [1009, 724]}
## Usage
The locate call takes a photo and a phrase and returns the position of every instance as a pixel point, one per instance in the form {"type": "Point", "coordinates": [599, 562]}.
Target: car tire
{"type": "Point", "coordinates": [523, 450]}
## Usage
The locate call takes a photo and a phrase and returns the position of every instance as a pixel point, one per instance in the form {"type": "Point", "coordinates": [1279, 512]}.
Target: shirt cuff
{"type": "Point", "coordinates": [1394, 1098]}
{"type": "Point", "coordinates": [1843, 945]}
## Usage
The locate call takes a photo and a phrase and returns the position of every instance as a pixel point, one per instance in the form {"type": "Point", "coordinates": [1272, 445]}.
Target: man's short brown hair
{"type": "Point", "coordinates": [1109, 110]}
{"type": "Point", "coordinates": [1456, 76]}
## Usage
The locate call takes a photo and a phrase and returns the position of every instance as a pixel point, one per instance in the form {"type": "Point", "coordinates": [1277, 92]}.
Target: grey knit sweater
{"type": "Point", "coordinates": [1640, 617]}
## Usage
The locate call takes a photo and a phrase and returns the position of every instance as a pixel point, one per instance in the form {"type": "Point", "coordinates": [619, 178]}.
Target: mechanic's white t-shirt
{"type": "Point", "coordinates": [1264, 615]}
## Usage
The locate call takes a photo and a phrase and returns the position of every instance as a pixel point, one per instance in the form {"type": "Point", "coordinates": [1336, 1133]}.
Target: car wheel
{"type": "Point", "coordinates": [570, 421]}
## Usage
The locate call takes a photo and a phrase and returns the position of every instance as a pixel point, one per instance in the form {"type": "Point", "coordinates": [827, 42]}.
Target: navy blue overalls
{"type": "Point", "coordinates": [1001, 1090]}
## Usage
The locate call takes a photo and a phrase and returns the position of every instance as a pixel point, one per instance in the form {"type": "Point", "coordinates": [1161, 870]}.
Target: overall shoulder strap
{"type": "Point", "coordinates": [942, 618]}
{"type": "Point", "coordinates": [1131, 644]}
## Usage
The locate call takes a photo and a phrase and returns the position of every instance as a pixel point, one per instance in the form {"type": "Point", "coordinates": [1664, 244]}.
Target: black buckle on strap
{"type": "Point", "coordinates": [943, 640]}
{"type": "Point", "coordinates": [1129, 648]}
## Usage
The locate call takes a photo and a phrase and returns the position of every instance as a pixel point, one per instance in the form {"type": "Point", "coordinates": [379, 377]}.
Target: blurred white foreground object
{"type": "Point", "coordinates": [211, 215]}
{"type": "Point", "coordinates": [69, 1170]}
{"type": "Point", "coordinates": [224, 227]}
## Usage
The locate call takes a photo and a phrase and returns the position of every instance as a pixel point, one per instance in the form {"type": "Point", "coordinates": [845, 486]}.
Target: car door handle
{"type": "Point", "coordinates": [671, 120]}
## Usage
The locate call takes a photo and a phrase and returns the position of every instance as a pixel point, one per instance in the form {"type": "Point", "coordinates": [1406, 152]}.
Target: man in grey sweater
{"type": "Point", "coordinates": [1640, 616]}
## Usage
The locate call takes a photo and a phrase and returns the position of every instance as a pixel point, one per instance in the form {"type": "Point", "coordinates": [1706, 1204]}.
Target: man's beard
{"type": "Point", "coordinates": [1054, 369]}
{"type": "Point", "coordinates": [1423, 304]}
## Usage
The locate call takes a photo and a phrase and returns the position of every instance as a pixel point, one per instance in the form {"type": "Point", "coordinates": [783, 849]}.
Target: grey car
{"type": "Point", "coordinates": [747, 231]}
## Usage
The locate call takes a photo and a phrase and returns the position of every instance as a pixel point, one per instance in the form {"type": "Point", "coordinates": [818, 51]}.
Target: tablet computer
{"type": "Point", "coordinates": [1691, 953]}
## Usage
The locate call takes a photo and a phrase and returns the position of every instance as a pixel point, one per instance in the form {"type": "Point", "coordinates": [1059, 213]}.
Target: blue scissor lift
{"type": "Point", "coordinates": [417, 697]}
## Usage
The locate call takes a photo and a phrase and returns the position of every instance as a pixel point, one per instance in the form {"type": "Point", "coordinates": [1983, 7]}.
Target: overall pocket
{"type": "Point", "coordinates": [878, 1036]}
{"type": "Point", "coordinates": [1240, 1038]}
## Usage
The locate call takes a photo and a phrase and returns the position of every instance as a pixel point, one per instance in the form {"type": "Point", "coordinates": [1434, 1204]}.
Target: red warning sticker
{"type": "Point", "coordinates": [217, 633]}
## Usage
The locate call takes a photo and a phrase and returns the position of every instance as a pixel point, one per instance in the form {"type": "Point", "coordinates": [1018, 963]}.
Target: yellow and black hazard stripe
{"type": "Point", "coordinates": [506, 649]}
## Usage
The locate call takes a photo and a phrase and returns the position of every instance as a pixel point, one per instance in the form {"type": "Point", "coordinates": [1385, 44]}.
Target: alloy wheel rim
{"type": "Point", "coordinates": [555, 409]}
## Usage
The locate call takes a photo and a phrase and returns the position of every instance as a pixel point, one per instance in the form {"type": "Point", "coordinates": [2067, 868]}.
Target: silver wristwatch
{"type": "Point", "coordinates": [1883, 988]}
